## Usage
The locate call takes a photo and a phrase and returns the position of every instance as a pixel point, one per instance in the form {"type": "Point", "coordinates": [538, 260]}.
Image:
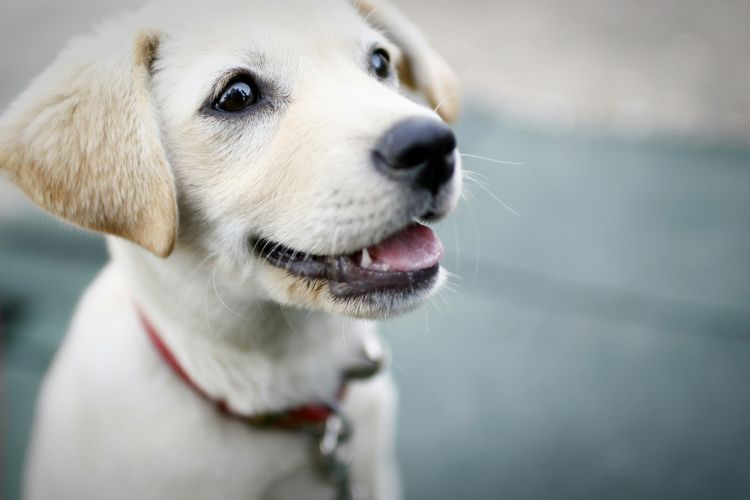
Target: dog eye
{"type": "Point", "coordinates": [237, 96]}
{"type": "Point", "coordinates": [380, 63]}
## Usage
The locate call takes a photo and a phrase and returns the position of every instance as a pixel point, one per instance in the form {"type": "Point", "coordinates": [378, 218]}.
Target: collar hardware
{"type": "Point", "coordinates": [327, 425]}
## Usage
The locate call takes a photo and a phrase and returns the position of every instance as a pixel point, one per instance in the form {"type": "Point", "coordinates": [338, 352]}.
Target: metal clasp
{"type": "Point", "coordinates": [331, 435]}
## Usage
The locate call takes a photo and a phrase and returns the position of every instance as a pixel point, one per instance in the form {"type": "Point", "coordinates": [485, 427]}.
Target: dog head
{"type": "Point", "coordinates": [276, 128]}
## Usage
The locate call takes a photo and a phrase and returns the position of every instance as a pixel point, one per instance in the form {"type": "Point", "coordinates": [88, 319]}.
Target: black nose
{"type": "Point", "coordinates": [418, 151]}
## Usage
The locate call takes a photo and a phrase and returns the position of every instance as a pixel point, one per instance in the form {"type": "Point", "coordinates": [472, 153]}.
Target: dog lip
{"type": "Point", "coordinates": [346, 278]}
{"type": "Point", "coordinates": [351, 280]}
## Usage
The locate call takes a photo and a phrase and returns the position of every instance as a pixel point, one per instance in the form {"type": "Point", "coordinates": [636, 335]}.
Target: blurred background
{"type": "Point", "coordinates": [595, 342]}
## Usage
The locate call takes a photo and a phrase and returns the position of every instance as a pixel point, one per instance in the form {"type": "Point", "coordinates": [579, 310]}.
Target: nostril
{"type": "Point", "coordinates": [426, 149]}
{"type": "Point", "coordinates": [438, 173]}
{"type": "Point", "coordinates": [447, 142]}
{"type": "Point", "coordinates": [412, 157]}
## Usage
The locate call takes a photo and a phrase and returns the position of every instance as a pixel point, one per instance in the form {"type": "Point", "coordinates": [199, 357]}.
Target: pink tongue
{"type": "Point", "coordinates": [411, 249]}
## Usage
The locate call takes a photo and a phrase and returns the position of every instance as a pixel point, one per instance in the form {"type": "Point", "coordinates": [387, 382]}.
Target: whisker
{"type": "Point", "coordinates": [427, 323]}
{"type": "Point", "coordinates": [445, 301]}
{"type": "Point", "coordinates": [470, 176]}
{"type": "Point", "coordinates": [263, 252]}
{"type": "Point", "coordinates": [392, 361]}
{"type": "Point", "coordinates": [444, 100]}
{"type": "Point", "coordinates": [282, 310]}
{"type": "Point", "coordinates": [216, 292]}
{"type": "Point", "coordinates": [471, 200]}
{"type": "Point", "coordinates": [290, 261]}
{"type": "Point", "coordinates": [451, 276]}
{"type": "Point", "coordinates": [457, 243]}
{"type": "Point", "coordinates": [260, 310]}
{"type": "Point", "coordinates": [497, 199]}
{"type": "Point", "coordinates": [335, 243]}
{"type": "Point", "coordinates": [343, 333]}
{"type": "Point", "coordinates": [205, 308]}
{"type": "Point", "coordinates": [187, 282]}
{"type": "Point", "coordinates": [449, 285]}
{"type": "Point", "coordinates": [441, 295]}
{"type": "Point", "coordinates": [474, 175]}
{"type": "Point", "coordinates": [471, 197]}
{"type": "Point", "coordinates": [273, 250]}
{"type": "Point", "coordinates": [493, 160]}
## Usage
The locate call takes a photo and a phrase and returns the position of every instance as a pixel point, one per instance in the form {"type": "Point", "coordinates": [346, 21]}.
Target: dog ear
{"type": "Point", "coordinates": [421, 68]}
{"type": "Point", "coordinates": [83, 143]}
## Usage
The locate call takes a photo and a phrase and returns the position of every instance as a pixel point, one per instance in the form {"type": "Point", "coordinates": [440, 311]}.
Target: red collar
{"type": "Point", "coordinates": [294, 418]}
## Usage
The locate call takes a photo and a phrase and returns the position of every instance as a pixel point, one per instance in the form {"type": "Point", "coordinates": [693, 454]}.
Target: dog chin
{"type": "Point", "coordinates": [319, 295]}
{"type": "Point", "coordinates": [388, 303]}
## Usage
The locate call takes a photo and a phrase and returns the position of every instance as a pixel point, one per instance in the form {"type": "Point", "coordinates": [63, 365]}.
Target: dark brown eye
{"type": "Point", "coordinates": [380, 63]}
{"type": "Point", "coordinates": [238, 95]}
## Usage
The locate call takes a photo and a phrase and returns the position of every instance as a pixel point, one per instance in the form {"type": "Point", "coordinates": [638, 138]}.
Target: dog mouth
{"type": "Point", "coordinates": [408, 260]}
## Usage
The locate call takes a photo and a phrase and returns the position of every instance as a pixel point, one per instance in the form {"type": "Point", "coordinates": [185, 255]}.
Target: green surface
{"type": "Point", "coordinates": [44, 268]}
{"type": "Point", "coordinates": [597, 346]}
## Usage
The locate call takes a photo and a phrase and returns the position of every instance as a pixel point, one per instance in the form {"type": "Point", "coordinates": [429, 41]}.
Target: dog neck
{"type": "Point", "coordinates": [237, 345]}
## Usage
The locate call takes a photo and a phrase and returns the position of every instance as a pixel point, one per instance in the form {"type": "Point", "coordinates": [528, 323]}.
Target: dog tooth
{"type": "Point", "coordinates": [366, 260]}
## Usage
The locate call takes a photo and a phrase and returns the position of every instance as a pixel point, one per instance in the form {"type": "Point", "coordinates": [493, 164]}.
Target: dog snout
{"type": "Point", "coordinates": [420, 152]}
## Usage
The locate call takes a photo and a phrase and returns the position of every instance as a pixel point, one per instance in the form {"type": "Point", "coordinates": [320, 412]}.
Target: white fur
{"type": "Point", "coordinates": [113, 419]}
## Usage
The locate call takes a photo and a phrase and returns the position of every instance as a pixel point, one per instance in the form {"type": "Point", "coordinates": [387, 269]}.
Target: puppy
{"type": "Point", "coordinates": [260, 180]}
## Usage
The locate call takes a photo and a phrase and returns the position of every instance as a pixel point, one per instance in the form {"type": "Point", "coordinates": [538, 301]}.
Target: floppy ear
{"type": "Point", "coordinates": [422, 68]}
{"type": "Point", "coordinates": [83, 143]}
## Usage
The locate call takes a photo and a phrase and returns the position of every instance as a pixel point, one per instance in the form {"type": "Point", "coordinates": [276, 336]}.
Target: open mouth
{"type": "Point", "coordinates": [407, 260]}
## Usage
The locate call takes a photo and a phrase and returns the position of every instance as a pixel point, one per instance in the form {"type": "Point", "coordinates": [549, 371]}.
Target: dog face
{"type": "Point", "coordinates": [276, 128]}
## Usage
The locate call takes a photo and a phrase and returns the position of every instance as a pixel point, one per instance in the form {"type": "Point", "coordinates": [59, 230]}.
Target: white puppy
{"type": "Point", "coordinates": [260, 178]}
